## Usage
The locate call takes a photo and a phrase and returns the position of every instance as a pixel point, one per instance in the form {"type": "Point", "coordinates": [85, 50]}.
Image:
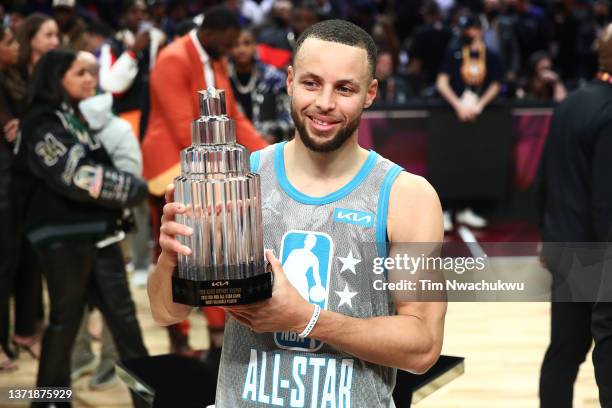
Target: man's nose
{"type": "Point", "coordinates": [325, 100]}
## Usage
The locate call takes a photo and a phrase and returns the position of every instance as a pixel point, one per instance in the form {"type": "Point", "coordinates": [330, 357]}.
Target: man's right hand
{"type": "Point", "coordinates": [170, 229]}
{"type": "Point", "coordinates": [159, 284]}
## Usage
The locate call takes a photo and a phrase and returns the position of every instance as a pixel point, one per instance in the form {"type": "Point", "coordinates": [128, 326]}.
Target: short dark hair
{"type": "Point", "coordinates": [45, 86]}
{"type": "Point", "coordinates": [220, 18]}
{"type": "Point", "coordinates": [342, 32]}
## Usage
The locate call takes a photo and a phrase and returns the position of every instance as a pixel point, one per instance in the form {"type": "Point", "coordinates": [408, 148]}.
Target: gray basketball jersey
{"type": "Point", "coordinates": [325, 245]}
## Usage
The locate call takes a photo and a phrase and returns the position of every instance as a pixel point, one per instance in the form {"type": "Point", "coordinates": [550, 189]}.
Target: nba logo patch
{"type": "Point", "coordinates": [306, 257]}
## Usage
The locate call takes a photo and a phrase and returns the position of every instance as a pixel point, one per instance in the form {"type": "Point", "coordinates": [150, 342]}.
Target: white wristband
{"type": "Point", "coordinates": [311, 323]}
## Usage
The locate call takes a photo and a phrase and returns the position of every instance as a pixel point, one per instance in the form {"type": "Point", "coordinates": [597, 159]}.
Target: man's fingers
{"type": "Point", "coordinates": [169, 244]}
{"type": "Point", "coordinates": [277, 268]}
{"type": "Point", "coordinates": [169, 194]}
{"type": "Point", "coordinates": [174, 228]}
{"type": "Point", "coordinates": [171, 209]}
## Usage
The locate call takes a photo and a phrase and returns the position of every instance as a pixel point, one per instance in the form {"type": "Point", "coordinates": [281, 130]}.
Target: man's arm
{"type": "Point", "coordinates": [601, 193]}
{"type": "Point", "coordinates": [444, 88]}
{"type": "Point", "coordinates": [412, 340]}
{"type": "Point", "coordinates": [488, 96]}
{"type": "Point", "coordinates": [171, 87]}
{"type": "Point", "coordinates": [159, 285]}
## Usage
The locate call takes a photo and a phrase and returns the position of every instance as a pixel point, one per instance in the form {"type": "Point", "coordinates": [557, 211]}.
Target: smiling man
{"type": "Point", "coordinates": [335, 340]}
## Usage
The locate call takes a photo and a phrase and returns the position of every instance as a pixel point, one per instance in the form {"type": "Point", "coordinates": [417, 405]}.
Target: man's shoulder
{"type": "Point", "coordinates": [414, 186]}
{"type": "Point", "coordinates": [415, 213]}
{"type": "Point", "coordinates": [176, 51]}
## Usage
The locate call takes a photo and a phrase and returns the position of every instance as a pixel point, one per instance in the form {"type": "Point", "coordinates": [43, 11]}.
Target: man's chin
{"type": "Point", "coordinates": [321, 143]}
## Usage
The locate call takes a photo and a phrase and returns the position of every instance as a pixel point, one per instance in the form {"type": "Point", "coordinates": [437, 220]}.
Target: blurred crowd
{"type": "Point", "coordinates": [538, 44]}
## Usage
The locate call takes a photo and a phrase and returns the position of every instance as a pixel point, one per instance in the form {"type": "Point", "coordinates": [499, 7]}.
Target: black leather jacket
{"type": "Point", "coordinates": [66, 186]}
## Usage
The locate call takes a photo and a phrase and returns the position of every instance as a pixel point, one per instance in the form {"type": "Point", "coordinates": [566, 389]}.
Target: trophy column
{"type": "Point", "coordinates": [226, 266]}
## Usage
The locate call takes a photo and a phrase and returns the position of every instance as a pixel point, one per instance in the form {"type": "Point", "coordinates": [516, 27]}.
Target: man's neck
{"type": "Point", "coordinates": [318, 174]}
{"type": "Point", "coordinates": [244, 69]}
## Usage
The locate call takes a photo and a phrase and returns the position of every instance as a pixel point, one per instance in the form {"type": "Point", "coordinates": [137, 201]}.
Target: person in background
{"type": "Point", "coordinates": [38, 34]}
{"type": "Point", "coordinates": [470, 74]}
{"type": "Point", "coordinates": [275, 44]}
{"type": "Point", "coordinates": [429, 45]}
{"type": "Point", "coordinates": [469, 80]}
{"type": "Point", "coordinates": [72, 28]}
{"type": "Point", "coordinates": [74, 214]}
{"type": "Point", "coordinates": [392, 87]}
{"type": "Point", "coordinates": [16, 15]}
{"type": "Point", "coordinates": [590, 30]}
{"type": "Point", "coordinates": [250, 12]}
{"type": "Point", "coordinates": [499, 37]}
{"type": "Point", "coordinates": [157, 10]}
{"type": "Point", "coordinates": [576, 216]}
{"type": "Point", "coordinates": [98, 35]}
{"type": "Point", "coordinates": [542, 84]}
{"type": "Point", "coordinates": [125, 64]}
{"type": "Point", "coordinates": [117, 137]}
{"type": "Point", "coordinates": [260, 90]}
{"type": "Point", "coordinates": [9, 50]}
{"type": "Point", "coordinates": [533, 28]}
{"type": "Point", "coordinates": [191, 63]}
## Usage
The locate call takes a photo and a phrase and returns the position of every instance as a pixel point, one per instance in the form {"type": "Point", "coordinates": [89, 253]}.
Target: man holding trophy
{"type": "Point", "coordinates": [322, 334]}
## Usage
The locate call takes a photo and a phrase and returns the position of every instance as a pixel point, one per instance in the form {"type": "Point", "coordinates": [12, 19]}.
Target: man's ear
{"type": "Point", "coordinates": [290, 80]}
{"type": "Point", "coordinates": [371, 94]}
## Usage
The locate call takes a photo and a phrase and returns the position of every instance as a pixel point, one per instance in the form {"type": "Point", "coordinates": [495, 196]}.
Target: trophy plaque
{"type": "Point", "coordinates": [223, 202]}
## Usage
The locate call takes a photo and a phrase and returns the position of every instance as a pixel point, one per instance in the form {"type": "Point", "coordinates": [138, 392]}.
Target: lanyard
{"type": "Point", "coordinates": [209, 75]}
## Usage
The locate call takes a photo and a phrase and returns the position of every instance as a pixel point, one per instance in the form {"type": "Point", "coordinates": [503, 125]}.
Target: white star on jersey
{"type": "Point", "coordinates": [345, 296]}
{"type": "Point", "coordinates": [348, 263]}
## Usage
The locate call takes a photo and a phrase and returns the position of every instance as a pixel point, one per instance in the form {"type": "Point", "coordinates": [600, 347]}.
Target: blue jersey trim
{"type": "Point", "coordinates": [382, 209]}
{"type": "Point", "coordinates": [281, 176]}
{"type": "Point", "coordinates": [254, 161]}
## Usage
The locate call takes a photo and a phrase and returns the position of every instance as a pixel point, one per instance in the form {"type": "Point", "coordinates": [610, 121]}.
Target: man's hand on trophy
{"type": "Point", "coordinates": [286, 310]}
{"type": "Point", "coordinates": [170, 229]}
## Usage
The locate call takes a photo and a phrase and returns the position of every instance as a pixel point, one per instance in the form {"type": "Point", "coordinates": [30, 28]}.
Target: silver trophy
{"type": "Point", "coordinates": [223, 201]}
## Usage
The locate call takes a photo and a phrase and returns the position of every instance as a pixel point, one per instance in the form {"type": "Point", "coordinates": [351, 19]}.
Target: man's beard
{"type": "Point", "coordinates": [331, 145]}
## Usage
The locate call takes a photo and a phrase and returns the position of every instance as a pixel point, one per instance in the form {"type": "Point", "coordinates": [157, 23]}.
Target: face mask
{"type": "Point", "coordinates": [466, 40]}
{"type": "Point", "coordinates": [492, 14]}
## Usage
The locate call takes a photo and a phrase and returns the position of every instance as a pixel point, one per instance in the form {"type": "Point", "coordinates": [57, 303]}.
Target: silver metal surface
{"type": "Point", "coordinates": [222, 199]}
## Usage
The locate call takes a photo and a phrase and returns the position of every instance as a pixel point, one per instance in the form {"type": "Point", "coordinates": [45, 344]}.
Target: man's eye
{"type": "Point", "coordinates": [345, 89]}
{"type": "Point", "coordinates": [310, 84]}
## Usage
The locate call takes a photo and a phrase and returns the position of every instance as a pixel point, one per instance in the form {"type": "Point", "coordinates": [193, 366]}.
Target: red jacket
{"type": "Point", "coordinates": [177, 76]}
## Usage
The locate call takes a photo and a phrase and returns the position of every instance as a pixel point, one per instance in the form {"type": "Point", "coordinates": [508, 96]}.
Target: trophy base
{"type": "Point", "coordinates": [222, 292]}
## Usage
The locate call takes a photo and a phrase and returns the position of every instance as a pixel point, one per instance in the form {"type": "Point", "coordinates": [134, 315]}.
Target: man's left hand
{"type": "Point", "coordinates": [286, 310]}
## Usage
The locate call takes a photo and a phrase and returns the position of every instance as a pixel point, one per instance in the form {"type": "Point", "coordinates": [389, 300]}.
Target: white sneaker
{"type": "Point", "coordinates": [471, 219]}
{"type": "Point", "coordinates": [448, 221]}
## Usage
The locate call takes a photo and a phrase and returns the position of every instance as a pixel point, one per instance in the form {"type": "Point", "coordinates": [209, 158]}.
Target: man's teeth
{"type": "Point", "coordinates": [319, 122]}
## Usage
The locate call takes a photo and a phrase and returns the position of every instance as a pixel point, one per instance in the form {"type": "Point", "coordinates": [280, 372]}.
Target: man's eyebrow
{"type": "Point", "coordinates": [348, 81]}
